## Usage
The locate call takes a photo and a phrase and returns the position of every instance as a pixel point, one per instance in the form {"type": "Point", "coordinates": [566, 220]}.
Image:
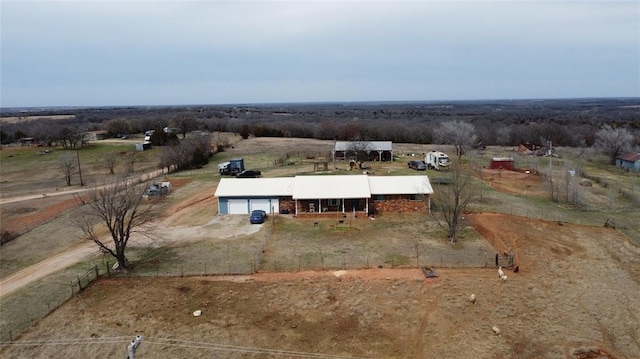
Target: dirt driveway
{"type": "Point", "coordinates": [193, 219]}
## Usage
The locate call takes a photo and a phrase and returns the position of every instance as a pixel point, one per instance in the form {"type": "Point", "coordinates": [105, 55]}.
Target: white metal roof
{"type": "Point", "coordinates": [323, 187]}
{"type": "Point", "coordinates": [340, 186]}
{"type": "Point", "coordinates": [364, 145]}
{"type": "Point", "coordinates": [400, 185]}
{"type": "Point", "coordinates": [258, 187]}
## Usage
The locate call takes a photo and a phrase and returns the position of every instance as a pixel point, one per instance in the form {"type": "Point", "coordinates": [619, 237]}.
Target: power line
{"type": "Point", "coordinates": [180, 343]}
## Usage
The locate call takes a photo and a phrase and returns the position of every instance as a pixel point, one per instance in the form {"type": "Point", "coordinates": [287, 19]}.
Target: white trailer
{"type": "Point", "coordinates": [437, 160]}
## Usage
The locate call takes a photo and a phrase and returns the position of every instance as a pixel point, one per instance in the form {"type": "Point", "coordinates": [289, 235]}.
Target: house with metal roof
{"type": "Point", "coordinates": [325, 196]}
{"type": "Point", "coordinates": [375, 150]}
{"type": "Point", "coordinates": [629, 160]}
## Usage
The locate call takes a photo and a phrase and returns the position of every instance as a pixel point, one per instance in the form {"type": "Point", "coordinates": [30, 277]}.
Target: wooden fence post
{"type": "Point", "coordinates": [108, 270]}
{"type": "Point", "coordinates": [79, 283]}
{"type": "Point", "coordinates": [96, 269]}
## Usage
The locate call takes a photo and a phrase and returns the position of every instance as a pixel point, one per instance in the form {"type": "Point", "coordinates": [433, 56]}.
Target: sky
{"type": "Point", "coordinates": [145, 53]}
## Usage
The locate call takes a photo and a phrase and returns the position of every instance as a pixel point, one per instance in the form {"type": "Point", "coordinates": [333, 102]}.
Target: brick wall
{"type": "Point", "coordinates": [400, 204]}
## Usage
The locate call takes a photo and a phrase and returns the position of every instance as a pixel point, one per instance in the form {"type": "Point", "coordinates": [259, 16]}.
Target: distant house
{"type": "Point", "coordinates": [325, 196]}
{"type": "Point", "coordinates": [95, 135]}
{"type": "Point", "coordinates": [629, 160]}
{"type": "Point", "coordinates": [528, 148]}
{"type": "Point", "coordinates": [502, 163]}
{"type": "Point", "coordinates": [27, 141]}
{"type": "Point", "coordinates": [375, 150]}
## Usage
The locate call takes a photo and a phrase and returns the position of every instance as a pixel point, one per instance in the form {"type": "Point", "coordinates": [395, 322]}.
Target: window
{"type": "Point", "coordinates": [334, 202]}
{"type": "Point", "coordinates": [378, 197]}
{"type": "Point", "coordinates": [416, 197]}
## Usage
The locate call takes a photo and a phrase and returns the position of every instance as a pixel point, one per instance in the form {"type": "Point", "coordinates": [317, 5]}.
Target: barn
{"type": "Point", "coordinates": [325, 196]}
{"type": "Point", "coordinates": [502, 163]}
{"type": "Point", "coordinates": [375, 150]}
{"type": "Point", "coordinates": [629, 161]}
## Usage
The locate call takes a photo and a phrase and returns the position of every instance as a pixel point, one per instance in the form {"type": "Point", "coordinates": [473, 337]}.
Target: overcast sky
{"type": "Point", "coordinates": [103, 53]}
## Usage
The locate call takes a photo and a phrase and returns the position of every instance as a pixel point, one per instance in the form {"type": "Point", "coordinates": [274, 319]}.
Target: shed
{"type": "Point", "coordinates": [629, 160]}
{"type": "Point", "coordinates": [502, 163]}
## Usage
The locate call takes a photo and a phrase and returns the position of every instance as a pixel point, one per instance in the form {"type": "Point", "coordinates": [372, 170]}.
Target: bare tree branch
{"type": "Point", "coordinates": [450, 200]}
{"type": "Point", "coordinates": [68, 164]}
{"type": "Point", "coordinates": [121, 209]}
{"type": "Point", "coordinates": [462, 135]}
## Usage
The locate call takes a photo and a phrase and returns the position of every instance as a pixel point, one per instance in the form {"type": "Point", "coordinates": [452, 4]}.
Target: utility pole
{"type": "Point", "coordinates": [79, 169]}
{"type": "Point", "coordinates": [133, 346]}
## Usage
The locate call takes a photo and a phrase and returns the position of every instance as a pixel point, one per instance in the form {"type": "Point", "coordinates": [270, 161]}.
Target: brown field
{"type": "Point", "coordinates": [560, 302]}
{"type": "Point", "coordinates": [575, 296]}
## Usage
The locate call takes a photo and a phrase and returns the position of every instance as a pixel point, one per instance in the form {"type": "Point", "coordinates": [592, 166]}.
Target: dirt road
{"type": "Point", "coordinates": [46, 267]}
{"type": "Point", "coordinates": [181, 225]}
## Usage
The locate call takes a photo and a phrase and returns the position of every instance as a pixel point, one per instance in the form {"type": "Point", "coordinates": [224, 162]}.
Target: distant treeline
{"type": "Point", "coordinates": [570, 122]}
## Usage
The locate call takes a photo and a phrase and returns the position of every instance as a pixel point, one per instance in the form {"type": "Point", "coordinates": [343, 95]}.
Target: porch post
{"type": "Point", "coordinates": [296, 202]}
{"type": "Point", "coordinates": [319, 205]}
{"type": "Point", "coordinates": [366, 206]}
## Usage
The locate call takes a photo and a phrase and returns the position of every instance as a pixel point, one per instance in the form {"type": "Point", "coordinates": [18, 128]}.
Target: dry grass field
{"type": "Point", "coordinates": [575, 292]}
{"type": "Point", "coordinates": [574, 296]}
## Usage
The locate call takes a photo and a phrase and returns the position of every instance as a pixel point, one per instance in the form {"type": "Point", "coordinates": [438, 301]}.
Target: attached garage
{"type": "Point", "coordinates": [265, 205]}
{"type": "Point", "coordinates": [237, 206]}
{"type": "Point", "coordinates": [243, 195]}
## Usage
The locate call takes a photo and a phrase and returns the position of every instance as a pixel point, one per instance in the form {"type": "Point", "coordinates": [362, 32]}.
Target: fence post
{"type": "Point", "coordinates": [79, 283]}
{"type": "Point", "coordinates": [96, 269]}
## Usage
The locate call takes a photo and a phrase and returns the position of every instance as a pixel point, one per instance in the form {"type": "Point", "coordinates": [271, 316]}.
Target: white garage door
{"type": "Point", "coordinates": [262, 204]}
{"type": "Point", "coordinates": [237, 206]}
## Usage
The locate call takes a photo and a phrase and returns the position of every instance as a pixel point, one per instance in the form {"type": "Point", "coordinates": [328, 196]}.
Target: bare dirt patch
{"type": "Point", "coordinates": [514, 182]}
{"type": "Point", "coordinates": [574, 295]}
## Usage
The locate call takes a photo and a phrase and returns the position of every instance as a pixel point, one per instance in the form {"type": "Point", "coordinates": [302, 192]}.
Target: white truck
{"type": "Point", "coordinates": [437, 160]}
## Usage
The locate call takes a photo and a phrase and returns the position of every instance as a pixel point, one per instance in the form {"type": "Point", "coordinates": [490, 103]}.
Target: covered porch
{"type": "Point", "coordinates": [332, 208]}
{"type": "Point", "coordinates": [331, 196]}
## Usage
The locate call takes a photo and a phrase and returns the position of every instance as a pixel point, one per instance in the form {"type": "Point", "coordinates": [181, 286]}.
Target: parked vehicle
{"type": "Point", "coordinates": [437, 160]}
{"type": "Point", "coordinates": [248, 174]}
{"type": "Point", "coordinates": [223, 168]}
{"type": "Point", "coordinates": [417, 165]}
{"type": "Point", "coordinates": [232, 167]}
{"type": "Point", "coordinates": [258, 216]}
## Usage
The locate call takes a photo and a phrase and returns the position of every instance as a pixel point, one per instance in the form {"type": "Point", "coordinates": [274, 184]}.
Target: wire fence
{"type": "Point", "coordinates": [35, 303]}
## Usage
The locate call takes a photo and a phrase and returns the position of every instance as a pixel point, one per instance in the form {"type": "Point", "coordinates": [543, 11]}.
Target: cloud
{"type": "Point", "coordinates": [315, 51]}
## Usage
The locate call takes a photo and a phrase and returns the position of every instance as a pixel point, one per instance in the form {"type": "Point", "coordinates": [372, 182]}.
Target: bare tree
{"type": "Point", "coordinates": [121, 208]}
{"type": "Point", "coordinates": [359, 150]}
{"type": "Point", "coordinates": [67, 164]}
{"type": "Point", "coordinates": [118, 126]}
{"type": "Point", "coordinates": [503, 136]}
{"type": "Point", "coordinates": [185, 122]}
{"type": "Point", "coordinates": [450, 200]}
{"type": "Point", "coordinates": [462, 135]}
{"type": "Point", "coordinates": [110, 160]}
{"type": "Point", "coordinates": [613, 142]}
{"type": "Point", "coordinates": [132, 158]}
